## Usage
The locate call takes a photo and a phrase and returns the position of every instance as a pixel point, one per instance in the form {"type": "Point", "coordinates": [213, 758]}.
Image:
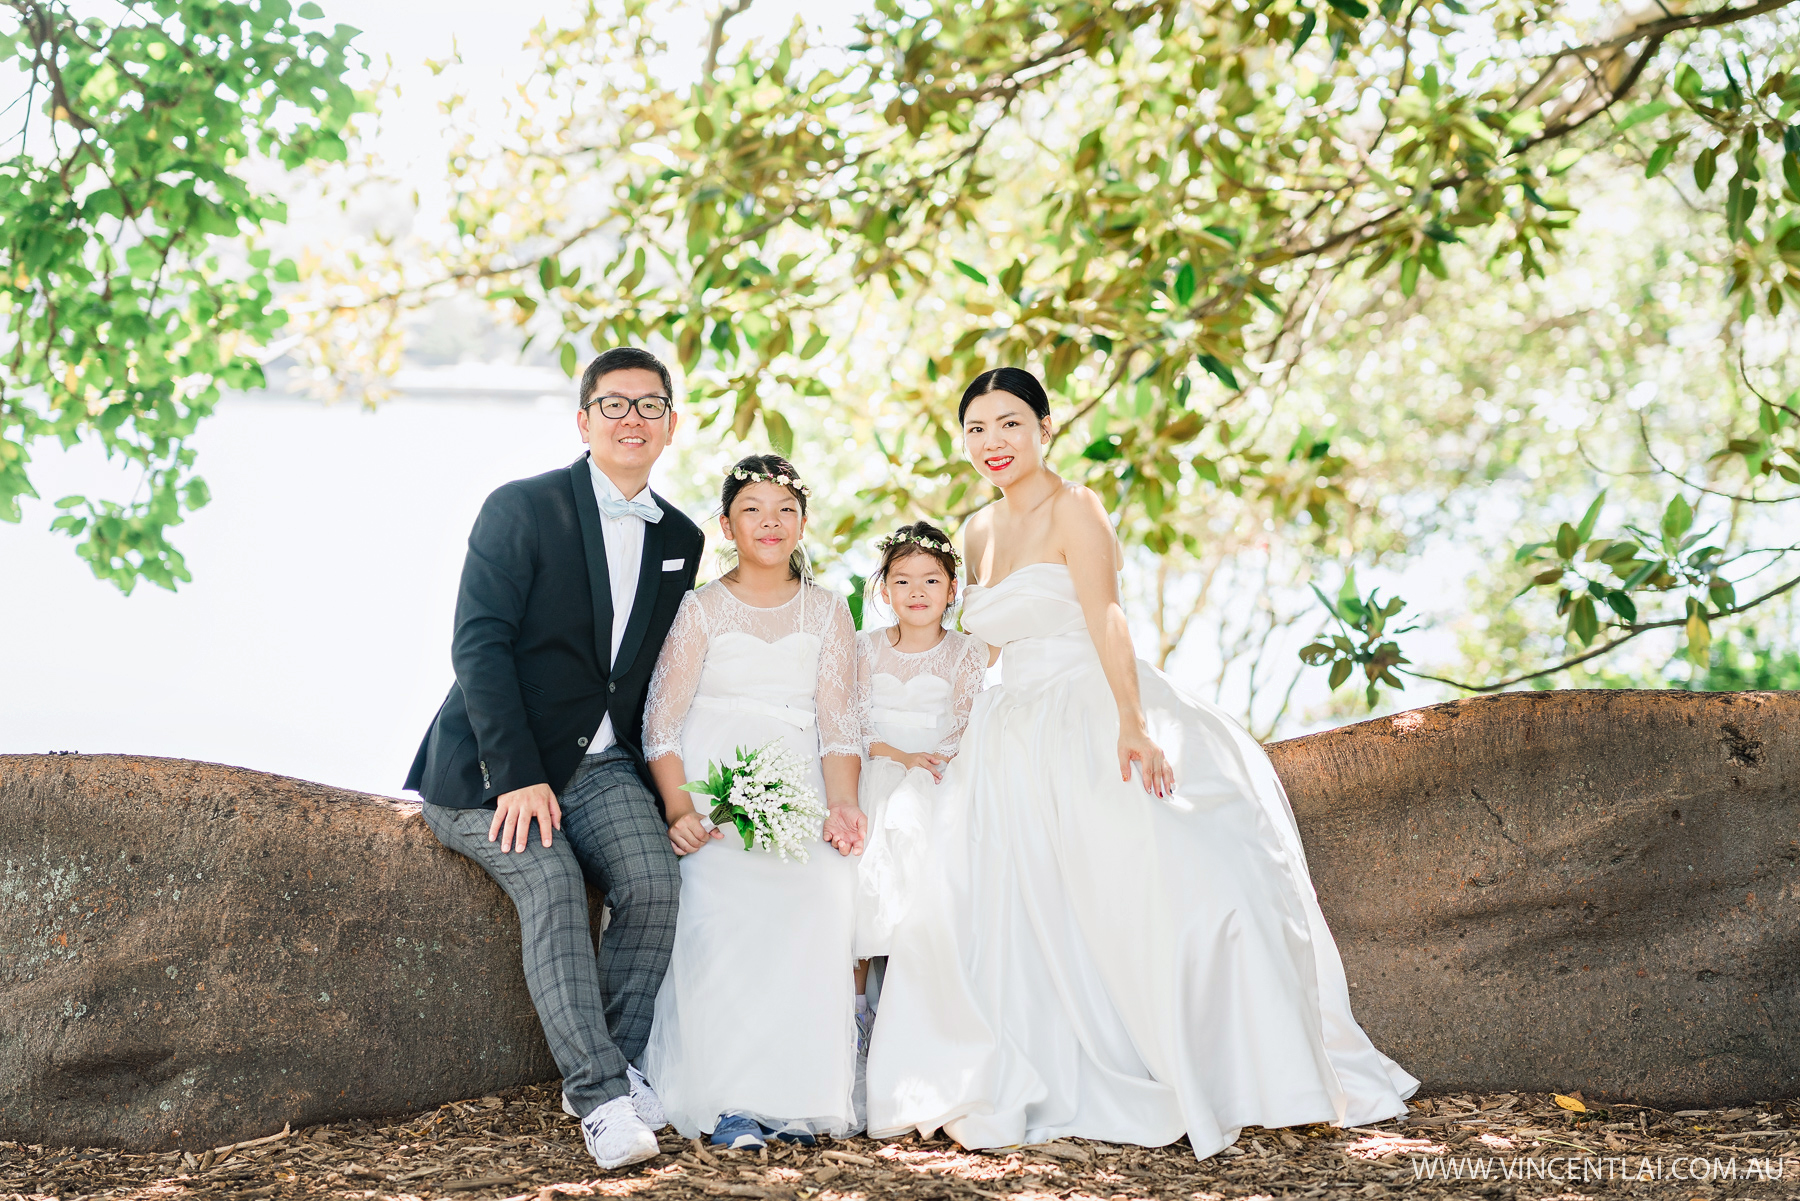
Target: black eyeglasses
{"type": "Point", "coordinates": [615, 407]}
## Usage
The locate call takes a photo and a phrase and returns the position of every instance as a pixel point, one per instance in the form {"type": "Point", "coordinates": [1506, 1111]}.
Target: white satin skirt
{"type": "Point", "coordinates": [1084, 959]}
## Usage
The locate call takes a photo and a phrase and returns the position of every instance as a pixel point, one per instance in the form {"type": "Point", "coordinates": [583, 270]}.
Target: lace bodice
{"type": "Point", "coordinates": [890, 681]}
{"type": "Point", "coordinates": [696, 660]}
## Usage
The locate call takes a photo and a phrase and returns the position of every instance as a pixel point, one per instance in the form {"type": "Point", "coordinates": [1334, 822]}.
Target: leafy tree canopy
{"type": "Point", "coordinates": [130, 286]}
{"type": "Point", "coordinates": [1157, 206]}
{"type": "Point", "coordinates": [1193, 219]}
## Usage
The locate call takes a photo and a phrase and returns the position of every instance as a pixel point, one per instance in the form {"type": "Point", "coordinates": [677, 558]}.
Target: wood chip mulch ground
{"type": "Point", "coordinates": [521, 1146]}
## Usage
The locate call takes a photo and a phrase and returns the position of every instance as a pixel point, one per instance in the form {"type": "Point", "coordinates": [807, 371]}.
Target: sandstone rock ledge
{"type": "Point", "coordinates": [193, 954]}
{"type": "Point", "coordinates": [1533, 891]}
{"type": "Point", "coordinates": [1556, 890]}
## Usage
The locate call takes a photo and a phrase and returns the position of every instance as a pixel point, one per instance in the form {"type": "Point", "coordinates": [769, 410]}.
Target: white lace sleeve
{"type": "Point", "coordinates": [865, 688]}
{"type": "Point", "coordinates": [675, 680]}
{"type": "Point", "coordinates": [965, 682]}
{"type": "Point", "coordinates": [835, 697]}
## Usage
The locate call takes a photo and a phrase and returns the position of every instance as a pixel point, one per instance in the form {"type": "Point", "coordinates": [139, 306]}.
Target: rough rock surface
{"type": "Point", "coordinates": [1559, 890]}
{"type": "Point", "coordinates": [193, 954]}
{"type": "Point", "coordinates": [1593, 890]}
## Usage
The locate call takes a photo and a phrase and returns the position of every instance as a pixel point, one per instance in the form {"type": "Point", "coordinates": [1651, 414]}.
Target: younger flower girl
{"type": "Point", "coordinates": [754, 1033]}
{"type": "Point", "coordinates": [917, 683]}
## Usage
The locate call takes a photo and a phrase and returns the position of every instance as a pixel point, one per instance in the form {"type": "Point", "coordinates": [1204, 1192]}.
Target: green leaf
{"type": "Point", "coordinates": [1585, 530]}
{"type": "Point", "coordinates": [1184, 284]}
{"type": "Point", "coordinates": [1699, 635]}
{"type": "Point", "coordinates": [1706, 166]}
{"type": "Point", "coordinates": [1568, 542]}
{"type": "Point", "coordinates": [1660, 157]}
{"type": "Point", "coordinates": [1340, 671]}
{"type": "Point", "coordinates": [1351, 8]}
{"type": "Point", "coordinates": [1584, 621]}
{"type": "Point", "coordinates": [781, 434]}
{"type": "Point", "coordinates": [969, 271]}
{"type": "Point", "coordinates": [1102, 450]}
{"type": "Point", "coordinates": [1687, 83]}
{"type": "Point", "coordinates": [1677, 519]}
{"type": "Point", "coordinates": [1306, 31]}
{"type": "Point", "coordinates": [1643, 113]}
{"type": "Point", "coordinates": [814, 345]}
{"type": "Point", "coordinates": [311, 12]}
{"type": "Point", "coordinates": [567, 357]}
{"type": "Point", "coordinates": [1219, 371]}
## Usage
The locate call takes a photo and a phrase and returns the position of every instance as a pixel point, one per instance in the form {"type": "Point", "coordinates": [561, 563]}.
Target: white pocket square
{"type": "Point", "coordinates": [674, 564]}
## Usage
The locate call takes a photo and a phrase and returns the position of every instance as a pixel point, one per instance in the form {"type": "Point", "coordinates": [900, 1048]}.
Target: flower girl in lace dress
{"type": "Point", "coordinates": [754, 1034]}
{"type": "Point", "coordinates": [917, 682]}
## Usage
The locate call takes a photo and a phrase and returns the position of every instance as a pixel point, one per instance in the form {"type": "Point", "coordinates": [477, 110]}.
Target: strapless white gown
{"type": "Point", "coordinates": [1088, 960]}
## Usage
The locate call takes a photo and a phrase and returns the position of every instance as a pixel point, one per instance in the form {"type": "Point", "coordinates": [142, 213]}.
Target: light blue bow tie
{"type": "Point", "coordinates": [613, 506]}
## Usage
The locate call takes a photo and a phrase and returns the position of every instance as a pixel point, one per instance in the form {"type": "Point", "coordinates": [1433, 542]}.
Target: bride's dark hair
{"type": "Point", "coordinates": [1014, 380]}
{"type": "Point", "coordinates": [771, 469]}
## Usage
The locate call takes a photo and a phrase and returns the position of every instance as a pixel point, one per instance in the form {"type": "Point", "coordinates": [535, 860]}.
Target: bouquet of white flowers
{"type": "Point", "coordinates": [761, 793]}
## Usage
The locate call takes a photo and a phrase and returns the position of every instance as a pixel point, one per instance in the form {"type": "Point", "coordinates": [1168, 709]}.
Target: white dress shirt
{"type": "Point", "coordinates": [624, 553]}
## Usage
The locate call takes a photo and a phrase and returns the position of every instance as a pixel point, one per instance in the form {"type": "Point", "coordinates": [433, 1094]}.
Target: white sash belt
{"type": "Point", "coordinates": [904, 717]}
{"type": "Point", "coordinates": [803, 718]}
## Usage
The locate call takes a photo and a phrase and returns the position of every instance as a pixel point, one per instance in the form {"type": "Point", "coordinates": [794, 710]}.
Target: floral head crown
{"type": "Point", "coordinates": [899, 536]}
{"type": "Point", "coordinates": [750, 475]}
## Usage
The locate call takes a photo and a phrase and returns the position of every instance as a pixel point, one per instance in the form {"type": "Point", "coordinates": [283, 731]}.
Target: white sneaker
{"type": "Point", "coordinates": [648, 1104]}
{"type": "Point", "coordinates": [643, 1099]}
{"type": "Point", "coordinates": [616, 1136]}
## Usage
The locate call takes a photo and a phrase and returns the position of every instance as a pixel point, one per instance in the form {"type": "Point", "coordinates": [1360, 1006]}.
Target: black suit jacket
{"type": "Point", "coordinates": [534, 618]}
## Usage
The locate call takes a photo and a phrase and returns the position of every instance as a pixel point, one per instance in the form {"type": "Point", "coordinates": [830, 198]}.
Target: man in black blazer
{"type": "Point", "coordinates": [571, 583]}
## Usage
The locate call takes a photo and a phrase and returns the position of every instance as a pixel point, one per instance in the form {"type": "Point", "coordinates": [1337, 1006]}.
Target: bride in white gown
{"type": "Point", "coordinates": [1096, 956]}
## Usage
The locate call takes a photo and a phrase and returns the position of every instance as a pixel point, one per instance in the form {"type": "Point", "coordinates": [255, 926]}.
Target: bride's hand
{"type": "Point", "coordinates": [1153, 765]}
{"type": "Point", "coordinates": [927, 761]}
{"type": "Point", "coordinates": [845, 828]}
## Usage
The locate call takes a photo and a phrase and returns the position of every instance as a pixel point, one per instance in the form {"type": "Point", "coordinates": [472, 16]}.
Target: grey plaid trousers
{"type": "Point", "coordinates": [596, 1012]}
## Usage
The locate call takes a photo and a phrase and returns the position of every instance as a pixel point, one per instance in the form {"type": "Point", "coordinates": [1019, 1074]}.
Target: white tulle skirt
{"type": "Point", "coordinates": [898, 804]}
{"type": "Point", "coordinates": [1080, 958]}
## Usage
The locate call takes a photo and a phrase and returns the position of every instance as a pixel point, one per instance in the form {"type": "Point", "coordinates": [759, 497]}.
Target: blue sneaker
{"type": "Point", "coordinates": [735, 1132]}
{"type": "Point", "coordinates": [800, 1137]}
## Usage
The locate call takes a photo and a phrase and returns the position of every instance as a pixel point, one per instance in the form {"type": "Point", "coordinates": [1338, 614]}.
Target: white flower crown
{"type": "Point", "coordinates": [899, 536]}
{"type": "Point", "coordinates": [785, 481]}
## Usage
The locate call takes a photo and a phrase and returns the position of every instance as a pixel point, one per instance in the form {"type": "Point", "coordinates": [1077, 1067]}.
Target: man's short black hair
{"type": "Point", "coordinates": [623, 358]}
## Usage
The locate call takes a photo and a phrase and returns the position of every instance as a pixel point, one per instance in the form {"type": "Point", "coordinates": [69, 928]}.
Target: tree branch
{"type": "Point", "coordinates": [715, 38]}
{"type": "Point", "coordinates": [1644, 437]}
{"type": "Point", "coordinates": [1668, 25]}
{"type": "Point", "coordinates": [1596, 652]}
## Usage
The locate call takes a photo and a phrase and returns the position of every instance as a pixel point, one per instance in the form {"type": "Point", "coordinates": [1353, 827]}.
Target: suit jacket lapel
{"type": "Point", "coordinates": [593, 544]}
{"type": "Point", "coordinates": [649, 580]}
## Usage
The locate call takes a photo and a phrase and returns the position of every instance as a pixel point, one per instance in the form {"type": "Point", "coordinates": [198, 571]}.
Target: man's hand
{"type": "Point", "coordinates": [688, 833]}
{"type": "Point", "coordinates": [846, 826]}
{"type": "Point", "coordinates": [513, 814]}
